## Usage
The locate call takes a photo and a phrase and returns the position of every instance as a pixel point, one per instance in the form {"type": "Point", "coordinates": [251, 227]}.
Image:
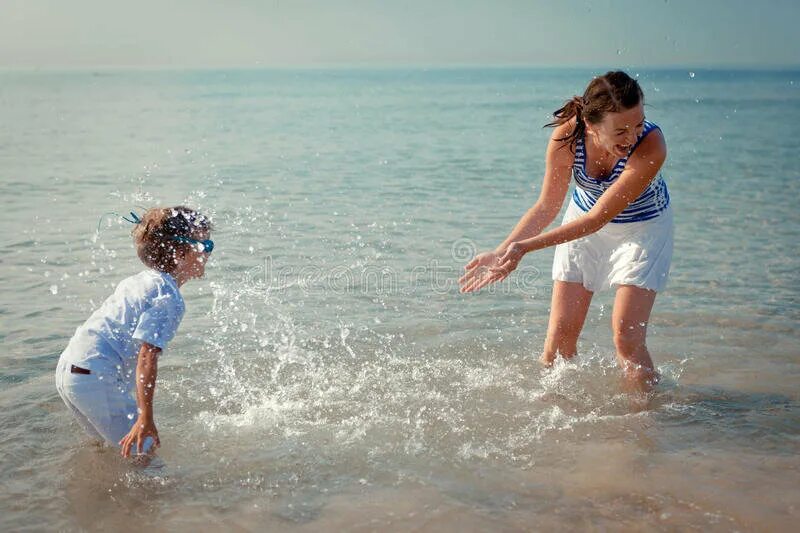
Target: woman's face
{"type": "Point", "coordinates": [617, 132]}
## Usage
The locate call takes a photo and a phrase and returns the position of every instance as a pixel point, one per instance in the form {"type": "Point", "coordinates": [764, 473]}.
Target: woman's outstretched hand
{"type": "Point", "coordinates": [490, 267]}
{"type": "Point", "coordinates": [478, 272]}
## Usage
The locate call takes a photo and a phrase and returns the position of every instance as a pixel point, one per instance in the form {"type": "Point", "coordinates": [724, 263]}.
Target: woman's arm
{"type": "Point", "coordinates": [146, 372]}
{"type": "Point", "coordinates": [558, 172]}
{"type": "Point", "coordinates": [640, 170]}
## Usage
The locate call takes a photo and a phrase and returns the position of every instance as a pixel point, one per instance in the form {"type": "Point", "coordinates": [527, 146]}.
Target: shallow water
{"type": "Point", "coordinates": [328, 374]}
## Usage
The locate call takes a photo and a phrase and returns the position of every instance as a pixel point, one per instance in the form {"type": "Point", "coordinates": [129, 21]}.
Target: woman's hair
{"type": "Point", "coordinates": [612, 92]}
{"type": "Point", "coordinates": [154, 235]}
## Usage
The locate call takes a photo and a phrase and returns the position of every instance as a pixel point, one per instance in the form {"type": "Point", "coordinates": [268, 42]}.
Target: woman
{"type": "Point", "coordinates": [617, 230]}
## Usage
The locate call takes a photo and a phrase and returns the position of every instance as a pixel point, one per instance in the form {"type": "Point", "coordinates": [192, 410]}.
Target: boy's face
{"type": "Point", "coordinates": [193, 263]}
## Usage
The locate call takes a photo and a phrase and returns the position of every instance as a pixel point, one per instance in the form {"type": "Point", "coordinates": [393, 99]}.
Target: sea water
{"type": "Point", "coordinates": [327, 373]}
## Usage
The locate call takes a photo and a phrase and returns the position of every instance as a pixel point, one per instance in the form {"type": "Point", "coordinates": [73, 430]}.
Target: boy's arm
{"type": "Point", "coordinates": [146, 372]}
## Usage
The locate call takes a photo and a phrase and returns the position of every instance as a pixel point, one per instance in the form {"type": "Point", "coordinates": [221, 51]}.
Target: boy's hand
{"type": "Point", "coordinates": [142, 429]}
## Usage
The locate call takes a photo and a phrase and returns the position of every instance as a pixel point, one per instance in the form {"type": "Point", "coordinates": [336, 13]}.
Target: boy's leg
{"type": "Point", "coordinates": [104, 404]}
{"type": "Point", "coordinates": [82, 420]}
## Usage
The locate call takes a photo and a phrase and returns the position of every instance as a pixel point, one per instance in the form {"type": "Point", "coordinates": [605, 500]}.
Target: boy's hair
{"type": "Point", "coordinates": [154, 235]}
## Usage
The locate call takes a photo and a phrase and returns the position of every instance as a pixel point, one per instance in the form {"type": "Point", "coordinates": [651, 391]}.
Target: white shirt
{"type": "Point", "coordinates": [146, 307]}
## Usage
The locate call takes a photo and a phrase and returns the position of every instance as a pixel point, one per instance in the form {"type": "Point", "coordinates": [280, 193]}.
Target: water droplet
{"type": "Point", "coordinates": [54, 289]}
{"type": "Point", "coordinates": [130, 416]}
{"type": "Point", "coordinates": [691, 74]}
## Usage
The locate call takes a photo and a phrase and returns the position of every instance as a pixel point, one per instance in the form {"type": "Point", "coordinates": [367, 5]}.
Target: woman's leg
{"type": "Point", "coordinates": [632, 306]}
{"type": "Point", "coordinates": [568, 310]}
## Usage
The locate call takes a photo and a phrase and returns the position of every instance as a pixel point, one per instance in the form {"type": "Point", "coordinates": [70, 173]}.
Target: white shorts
{"type": "Point", "coordinates": [627, 253]}
{"type": "Point", "coordinates": [102, 404]}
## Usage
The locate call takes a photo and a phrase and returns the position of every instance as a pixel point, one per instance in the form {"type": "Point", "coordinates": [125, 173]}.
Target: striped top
{"type": "Point", "coordinates": [588, 190]}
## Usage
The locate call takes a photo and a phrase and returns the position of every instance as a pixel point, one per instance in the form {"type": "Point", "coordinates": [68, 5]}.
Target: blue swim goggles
{"type": "Point", "coordinates": [208, 244]}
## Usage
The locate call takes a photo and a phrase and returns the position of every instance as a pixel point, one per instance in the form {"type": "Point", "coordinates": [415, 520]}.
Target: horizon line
{"type": "Point", "coordinates": [405, 66]}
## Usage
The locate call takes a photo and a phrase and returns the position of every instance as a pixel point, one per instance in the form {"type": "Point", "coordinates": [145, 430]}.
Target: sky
{"type": "Point", "coordinates": [281, 33]}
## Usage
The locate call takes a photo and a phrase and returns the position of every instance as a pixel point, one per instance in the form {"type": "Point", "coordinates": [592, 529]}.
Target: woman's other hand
{"type": "Point", "coordinates": [478, 272]}
{"type": "Point", "coordinates": [509, 260]}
